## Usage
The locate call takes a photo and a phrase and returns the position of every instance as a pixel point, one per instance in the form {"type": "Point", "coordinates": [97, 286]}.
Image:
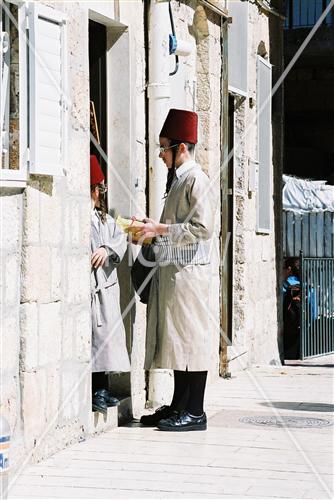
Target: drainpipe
{"type": "Point", "coordinates": [158, 93]}
{"type": "Point", "coordinates": [158, 96]}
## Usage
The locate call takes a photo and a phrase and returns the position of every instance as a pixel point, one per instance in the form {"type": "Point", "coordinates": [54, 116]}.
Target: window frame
{"type": "Point", "coordinates": [27, 14]}
{"type": "Point", "coordinates": [260, 229]}
{"type": "Point", "coordinates": [238, 49]}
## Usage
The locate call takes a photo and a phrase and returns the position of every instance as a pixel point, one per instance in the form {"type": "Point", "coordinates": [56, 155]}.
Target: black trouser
{"type": "Point", "coordinates": [99, 381]}
{"type": "Point", "coordinates": [189, 388]}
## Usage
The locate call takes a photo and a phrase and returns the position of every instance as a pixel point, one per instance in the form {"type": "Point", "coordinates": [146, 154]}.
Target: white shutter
{"type": "Point", "coordinates": [264, 197]}
{"type": "Point", "coordinates": [47, 74]}
{"type": "Point", "coordinates": [238, 47]}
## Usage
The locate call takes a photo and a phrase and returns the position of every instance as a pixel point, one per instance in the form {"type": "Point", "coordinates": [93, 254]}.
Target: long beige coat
{"type": "Point", "coordinates": [109, 350]}
{"type": "Point", "coordinates": [178, 308]}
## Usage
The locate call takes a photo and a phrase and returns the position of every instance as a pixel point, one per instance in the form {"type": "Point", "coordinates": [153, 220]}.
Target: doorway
{"type": "Point", "coordinates": [98, 88]}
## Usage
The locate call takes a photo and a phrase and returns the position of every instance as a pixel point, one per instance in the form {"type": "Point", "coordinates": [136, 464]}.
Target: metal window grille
{"type": "Point", "coordinates": [311, 233]}
{"type": "Point", "coordinates": [317, 311]}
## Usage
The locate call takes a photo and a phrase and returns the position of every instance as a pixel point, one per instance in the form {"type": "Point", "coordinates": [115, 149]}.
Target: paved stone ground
{"type": "Point", "coordinates": [230, 460]}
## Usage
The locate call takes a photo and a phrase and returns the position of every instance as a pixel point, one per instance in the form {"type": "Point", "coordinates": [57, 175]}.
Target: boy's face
{"type": "Point", "coordinates": [167, 155]}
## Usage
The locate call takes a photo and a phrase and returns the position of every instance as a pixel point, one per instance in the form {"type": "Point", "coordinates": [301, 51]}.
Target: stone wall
{"type": "Point", "coordinates": [55, 295]}
{"type": "Point", "coordinates": [196, 86]}
{"type": "Point", "coordinates": [11, 210]}
{"type": "Point", "coordinates": [255, 280]}
{"type": "Point", "coordinates": [45, 252]}
{"type": "Point", "coordinates": [46, 230]}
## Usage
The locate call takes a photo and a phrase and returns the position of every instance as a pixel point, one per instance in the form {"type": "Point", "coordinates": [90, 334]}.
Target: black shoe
{"type": "Point", "coordinates": [152, 420]}
{"type": "Point", "coordinates": [109, 399]}
{"type": "Point", "coordinates": [183, 422]}
{"type": "Point", "coordinates": [99, 403]}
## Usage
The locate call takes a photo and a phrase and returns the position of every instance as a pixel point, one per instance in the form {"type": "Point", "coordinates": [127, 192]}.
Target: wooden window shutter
{"type": "Point", "coordinates": [238, 47]}
{"type": "Point", "coordinates": [47, 90]}
{"type": "Point", "coordinates": [264, 131]}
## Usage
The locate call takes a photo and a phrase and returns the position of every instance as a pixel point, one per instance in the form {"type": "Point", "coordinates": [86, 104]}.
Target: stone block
{"type": "Point", "coordinates": [34, 394]}
{"type": "Point", "coordinates": [11, 265]}
{"type": "Point", "coordinates": [31, 233]}
{"type": "Point", "coordinates": [102, 423]}
{"type": "Point", "coordinates": [29, 336]}
{"type": "Point", "coordinates": [10, 400]}
{"type": "Point", "coordinates": [85, 225]}
{"type": "Point", "coordinates": [50, 333]}
{"type": "Point", "coordinates": [52, 401]}
{"type": "Point", "coordinates": [74, 380]}
{"type": "Point", "coordinates": [79, 110]}
{"type": "Point", "coordinates": [56, 274]}
{"type": "Point", "coordinates": [10, 339]}
{"type": "Point", "coordinates": [77, 35]}
{"type": "Point", "coordinates": [75, 223]}
{"type": "Point", "coordinates": [77, 168]}
{"type": "Point", "coordinates": [78, 279]}
{"type": "Point", "coordinates": [11, 222]}
{"type": "Point", "coordinates": [36, 274]}
{"type": "Point", "coordinates": [68, 342]}
{"type": "Point", "coordinates": [83, 335]}
{"type": "Point", "coordinates": [50, 216]}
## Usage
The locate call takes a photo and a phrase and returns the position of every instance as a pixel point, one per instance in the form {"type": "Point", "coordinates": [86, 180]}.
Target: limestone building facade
{"type": "Point", "coordinates": [57, 58]}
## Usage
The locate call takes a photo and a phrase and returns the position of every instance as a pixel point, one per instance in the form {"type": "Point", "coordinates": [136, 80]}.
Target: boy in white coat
{"type": "Point", "coordinates": [108, 245]}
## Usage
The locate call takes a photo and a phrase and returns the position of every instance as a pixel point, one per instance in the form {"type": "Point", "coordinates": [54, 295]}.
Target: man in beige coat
{"type": "Point", "coordinates": [178, 308]}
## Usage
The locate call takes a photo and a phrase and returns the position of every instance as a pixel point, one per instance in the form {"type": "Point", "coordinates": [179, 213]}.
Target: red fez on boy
{"type": "Point", "coordinates": [96, 174]}
{"type": "Point", "coordinates": [180, 125]}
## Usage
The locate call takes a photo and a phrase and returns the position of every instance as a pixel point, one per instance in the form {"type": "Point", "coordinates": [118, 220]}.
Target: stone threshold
{"type": "Point", "coordinates": [116, 416]}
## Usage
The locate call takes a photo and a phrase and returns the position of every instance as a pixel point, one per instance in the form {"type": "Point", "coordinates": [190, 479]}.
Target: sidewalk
{"type": "Point", "coordinates": [231, 459]}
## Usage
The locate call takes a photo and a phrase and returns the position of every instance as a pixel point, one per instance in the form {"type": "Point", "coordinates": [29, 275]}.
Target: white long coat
{"type": "Point", "coordinates": [109, 350]}
{"type": "Point", "coordinates": [178, 335]}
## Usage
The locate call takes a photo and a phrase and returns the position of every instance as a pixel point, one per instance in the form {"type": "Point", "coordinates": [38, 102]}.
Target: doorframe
{"type": "Point", "coordinates": [227, 208]}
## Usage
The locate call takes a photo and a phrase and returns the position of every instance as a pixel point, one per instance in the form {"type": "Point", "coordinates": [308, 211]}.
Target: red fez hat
{"type": "Point", "coordinates": [96, 174]}
{"type": "Point", "coordinates": [180, 125]}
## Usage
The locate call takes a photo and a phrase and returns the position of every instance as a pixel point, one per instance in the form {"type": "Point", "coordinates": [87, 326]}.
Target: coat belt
{"type": "Point", "coordinates": [97, 301]}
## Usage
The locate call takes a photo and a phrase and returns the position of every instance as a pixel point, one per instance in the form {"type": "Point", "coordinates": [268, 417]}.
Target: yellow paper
{"type": "Point", "coordinates": [132, 226]}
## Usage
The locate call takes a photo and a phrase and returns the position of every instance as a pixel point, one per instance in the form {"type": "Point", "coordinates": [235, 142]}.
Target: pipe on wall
{"type": "Point", "coordinates": [158, 92]}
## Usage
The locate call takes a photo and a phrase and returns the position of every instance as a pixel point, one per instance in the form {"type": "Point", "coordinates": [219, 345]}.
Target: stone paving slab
{"type": "Point", "coordinates": [231, 459]}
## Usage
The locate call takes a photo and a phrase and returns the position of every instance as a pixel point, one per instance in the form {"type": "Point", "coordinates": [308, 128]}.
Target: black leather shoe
{"type": "Point", "coordinates": [183, 422]}
{"type": "Point", "coordinates": [99, 403]}
{"type": "Point", "coordinates": [152, 420]}
{"type": "Point", "coordinates": [109, 399]}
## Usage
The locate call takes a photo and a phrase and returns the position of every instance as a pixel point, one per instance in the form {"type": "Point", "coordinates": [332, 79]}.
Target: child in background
{"type": "Point", "coordinates": [108, 245]}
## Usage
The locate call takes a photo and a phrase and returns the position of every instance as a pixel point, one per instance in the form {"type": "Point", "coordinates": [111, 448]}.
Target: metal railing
{"type": "Point", "coordinates": [305, 13]}
{"type": "Point", "coordinates": [317, 311]}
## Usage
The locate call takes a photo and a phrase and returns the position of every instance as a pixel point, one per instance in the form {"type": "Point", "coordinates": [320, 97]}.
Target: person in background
{"type": "Point", "coordinates": [108, 245]}
{"type": "Point", "coordinates": [291, 307]}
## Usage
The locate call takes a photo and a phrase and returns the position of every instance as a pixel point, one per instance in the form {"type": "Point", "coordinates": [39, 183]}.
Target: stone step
{"type": "Point", "coordinates": [116, 416]}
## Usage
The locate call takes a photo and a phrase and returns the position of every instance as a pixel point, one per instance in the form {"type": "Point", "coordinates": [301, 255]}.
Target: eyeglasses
{"type": "Point", "coordinates": [163, 149]}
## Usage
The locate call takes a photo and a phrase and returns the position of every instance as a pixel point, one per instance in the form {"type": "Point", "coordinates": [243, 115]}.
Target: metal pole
{"type": "Point", "coordinates": [302, 308]}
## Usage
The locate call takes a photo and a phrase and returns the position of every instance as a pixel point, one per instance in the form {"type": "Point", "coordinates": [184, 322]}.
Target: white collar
{"type": "Point", "coordinates": [182, 169]}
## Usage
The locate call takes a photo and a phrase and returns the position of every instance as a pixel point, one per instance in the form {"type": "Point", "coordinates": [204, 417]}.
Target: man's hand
{"type": "Point", "coordinates": [99, 257]}
{"type": "Point", "coordinates": [150, 229]}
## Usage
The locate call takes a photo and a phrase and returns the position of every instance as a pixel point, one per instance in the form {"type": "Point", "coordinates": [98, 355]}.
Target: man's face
{"type": "Point", "coordinates": [167, 155]}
